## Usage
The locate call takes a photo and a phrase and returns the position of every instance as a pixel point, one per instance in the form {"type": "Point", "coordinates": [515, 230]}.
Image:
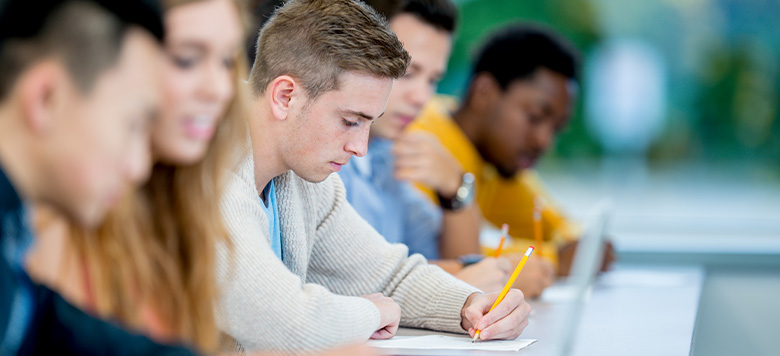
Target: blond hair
{"type": "Point", "coordinates": [159, 247]}
{"type": "Point", "coordinates": [314, 41]}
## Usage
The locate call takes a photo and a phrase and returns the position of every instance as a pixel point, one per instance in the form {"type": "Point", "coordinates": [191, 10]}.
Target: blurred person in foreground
{"type": "Point", "coordinates": [77, 91]}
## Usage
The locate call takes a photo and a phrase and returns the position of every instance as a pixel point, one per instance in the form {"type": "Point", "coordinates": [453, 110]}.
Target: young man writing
{"type": "Point", "coordinates": [306, 272]}
{"type": "Point", "coordinates": [523, 86]}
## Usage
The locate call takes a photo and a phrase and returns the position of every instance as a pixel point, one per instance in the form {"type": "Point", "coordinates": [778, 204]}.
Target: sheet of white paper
{"type": "Point", "coordinates": [441, 342]}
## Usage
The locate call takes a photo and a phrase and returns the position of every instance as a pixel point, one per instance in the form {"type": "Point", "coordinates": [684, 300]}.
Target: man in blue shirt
{"type": "Point", "coordinates": [77, 90]}
{"type": "Point", "coordinates": [378, 184]}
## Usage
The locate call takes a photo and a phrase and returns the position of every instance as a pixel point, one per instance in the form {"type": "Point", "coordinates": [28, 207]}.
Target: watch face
{"type": "Point", "coordinates": [468, 178]}
{"type": "Point", "coordinates": [462, 193]}
{"type": "Point", "coordinates": [463, 196]}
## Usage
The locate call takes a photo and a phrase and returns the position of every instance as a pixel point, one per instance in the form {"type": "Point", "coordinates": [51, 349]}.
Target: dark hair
{"type": "Point", "coordinates": [517, 51]}
{"type": "Point", "coordinates": [441, 14]}
{"type": "Point", "coordinates": [86, 34]}
{"type": "Point", "coordinates": [315, 41]}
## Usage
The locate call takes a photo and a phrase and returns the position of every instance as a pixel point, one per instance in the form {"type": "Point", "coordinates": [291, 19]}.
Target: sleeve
{"type": "Point", "coordinates": [422, 223]}
{"type": "Point", "coordinates": [563, 229]}
{"type": "Point", "coordinates": [264, 306]}
{"type": "Point", "coordinates": [350, 257]}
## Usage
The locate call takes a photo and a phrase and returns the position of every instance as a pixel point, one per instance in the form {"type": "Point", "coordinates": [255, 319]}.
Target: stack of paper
{"type": "Point", "coordinates": [441, 342]}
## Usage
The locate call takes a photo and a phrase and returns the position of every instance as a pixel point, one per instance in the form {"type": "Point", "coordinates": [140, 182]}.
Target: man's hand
{"type": "Point", "coordinates": [390, 314]}
{"type": "Point", "coordinates": [566, 257]}
{"type": "Point", "coordinates": [537, 275]}
{"type": "Point", "coordinates": [489, 275]}
{"type": "Point", "coordinates": [420, 157]}
{"type": "Point", "coordinates": [506, 321]}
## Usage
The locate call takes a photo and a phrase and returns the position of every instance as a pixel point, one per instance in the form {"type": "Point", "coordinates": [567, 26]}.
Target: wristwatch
{"type": "Point", "coordinates": [464, 195]}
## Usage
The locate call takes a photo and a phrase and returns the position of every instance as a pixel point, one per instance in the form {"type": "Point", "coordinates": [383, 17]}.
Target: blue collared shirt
{"type": "Point", "coordinates": [271, 210]}
{"type": "Point", "coordinates": [396, 209]}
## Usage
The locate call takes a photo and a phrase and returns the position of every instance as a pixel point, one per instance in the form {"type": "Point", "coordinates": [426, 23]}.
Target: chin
{"type": "Point", "coordinates": [507, 173]}
{"type": "Point", "coordinates": [313, 177]}
{"type": "Point", "coordinates": [89, 218]}
{"type": "Point", "coordinates": [184, 157]}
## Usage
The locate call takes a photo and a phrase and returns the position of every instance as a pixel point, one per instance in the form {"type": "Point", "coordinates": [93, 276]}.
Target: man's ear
{"type": "Point", "coordinates": [283, 91]}
{"type": "Point", "coordinates": [484, 91]}
{"type": "Point", "coordinates": [41, 92]}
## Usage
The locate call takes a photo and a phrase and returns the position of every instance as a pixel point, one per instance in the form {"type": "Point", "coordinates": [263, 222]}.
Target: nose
{"type": "Point", "coordinates": [358, 143]}
{"type": "Point", "coordinates": [419, 93]}
{"type": "Point", "coordinates": [544, 136]}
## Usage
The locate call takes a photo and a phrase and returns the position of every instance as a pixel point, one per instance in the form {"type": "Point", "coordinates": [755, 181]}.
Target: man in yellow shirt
{"type": "Point", "coordinates": [523, 87]}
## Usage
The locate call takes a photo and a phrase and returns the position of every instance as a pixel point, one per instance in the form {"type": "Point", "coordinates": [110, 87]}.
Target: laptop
{"type": "Point", "coordinates": [584, 270]}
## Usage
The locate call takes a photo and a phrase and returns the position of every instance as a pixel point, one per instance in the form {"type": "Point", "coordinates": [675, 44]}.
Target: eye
{"type": "Point", "coordinates": [229, 62]}
{"type": "Point", "coordinates": [350, 123]}
{"type": "Point", "coordinates": [183, 62]}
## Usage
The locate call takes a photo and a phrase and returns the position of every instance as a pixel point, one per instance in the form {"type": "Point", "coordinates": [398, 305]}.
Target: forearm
{"type": "Point", "coordinates": [450, 266]}
{"type": "Point", "coordinates": [432, 299]}
{"type": "Point", "coordinates": [460, 232]}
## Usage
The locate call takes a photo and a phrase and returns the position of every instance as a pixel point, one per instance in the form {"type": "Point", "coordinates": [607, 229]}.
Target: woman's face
{"type": "Point", "coordinates": [201, 44]}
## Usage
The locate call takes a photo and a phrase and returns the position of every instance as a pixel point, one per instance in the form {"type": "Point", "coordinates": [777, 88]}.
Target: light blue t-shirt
{"type": "Point", "coordinates": [396, 209]}
{"type": "Point", "coordinates": [272, 212]}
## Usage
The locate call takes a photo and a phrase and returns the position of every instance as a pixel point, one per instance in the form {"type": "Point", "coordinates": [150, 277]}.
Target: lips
{"type": "Point", "coordinates": [525, 161]}
{"type": "Point", "coordinates": [405, 119]}
{"type": "Point", "coordinates": [200, 127]}
{"type": "Point", "coordinates": [336, 166]}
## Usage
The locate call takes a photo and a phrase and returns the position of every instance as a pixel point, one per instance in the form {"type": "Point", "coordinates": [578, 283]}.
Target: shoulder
{"type": "Point", "coordinates": [436, 114]}
{"type": "Point", "coordinates": [240, 193]}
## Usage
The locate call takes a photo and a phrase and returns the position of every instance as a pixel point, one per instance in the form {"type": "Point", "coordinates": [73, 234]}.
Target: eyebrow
{"type": "Point", "coordinates": [188, 45]}
{"type": "Point", "coordinates": [437, 74]}
{"type": "Point", "coordinates": [195, 45]}
{"type": "Point", "coordinates": [361, 114]}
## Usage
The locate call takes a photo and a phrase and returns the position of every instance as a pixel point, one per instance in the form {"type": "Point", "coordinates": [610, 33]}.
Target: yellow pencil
{"type": "Point", "coordinates": [508, 284]}
{"type": "Point", "coordinates": [504, 232]}
{"type": "Point", "coordinates": [538, 223]}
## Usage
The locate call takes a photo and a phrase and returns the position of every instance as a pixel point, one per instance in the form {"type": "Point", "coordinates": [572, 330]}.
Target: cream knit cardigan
{"type": "Point", "coordinates": [331, 257]}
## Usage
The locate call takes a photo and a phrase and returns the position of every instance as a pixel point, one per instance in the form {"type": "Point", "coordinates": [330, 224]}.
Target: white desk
{"type": "Point", "coordinates": [635, 311]}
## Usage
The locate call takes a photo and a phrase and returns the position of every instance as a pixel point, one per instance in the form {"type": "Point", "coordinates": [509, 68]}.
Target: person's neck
{"type": "Point", "coordinates": [15, 155]}
{"type": "Point", "coordinates": [265, 149]}
{"type": "Point", "coordinates": [469, 122]}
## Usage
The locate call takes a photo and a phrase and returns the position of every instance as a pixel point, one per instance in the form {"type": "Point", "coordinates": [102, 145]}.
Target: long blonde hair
{"type": "Point", "coordinates": [159, 247]}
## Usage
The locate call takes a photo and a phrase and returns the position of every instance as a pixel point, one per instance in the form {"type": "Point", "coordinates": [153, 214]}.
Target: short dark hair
{"type": "Point", "coordinates": [518, 50]}
{"type": "Point", "coordinates": [441, 14]}
{"type": "Point", "coordinates": [315, 41]}
{"type": "Point", "coordinates": [86, 34]}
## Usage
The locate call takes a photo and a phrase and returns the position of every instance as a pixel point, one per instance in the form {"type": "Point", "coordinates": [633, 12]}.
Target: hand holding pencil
{"type": "Point", "coordinates": [497, 315]}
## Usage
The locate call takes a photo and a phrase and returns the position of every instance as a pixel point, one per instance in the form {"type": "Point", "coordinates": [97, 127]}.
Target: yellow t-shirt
{"type": "Point", "coordinates": [501, 200]}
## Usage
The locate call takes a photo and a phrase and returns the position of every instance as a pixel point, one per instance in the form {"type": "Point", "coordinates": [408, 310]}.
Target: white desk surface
{"type": "Point", "coordinates": [631, 311]}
